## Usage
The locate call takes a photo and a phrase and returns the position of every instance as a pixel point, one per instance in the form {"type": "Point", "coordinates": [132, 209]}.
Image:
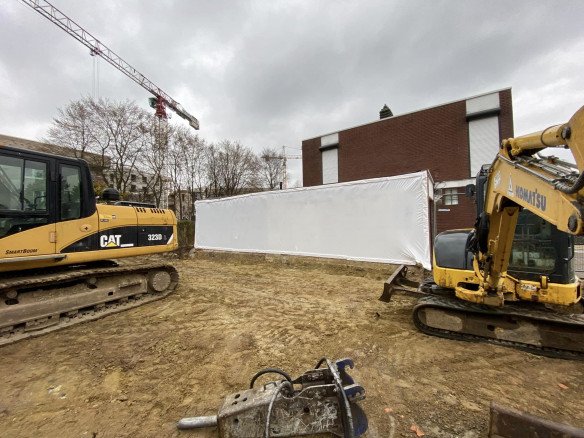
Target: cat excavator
{"type": "Point", "coordinates": [57, 244]}
{"type": "Point", "coordinates": [510, 280]}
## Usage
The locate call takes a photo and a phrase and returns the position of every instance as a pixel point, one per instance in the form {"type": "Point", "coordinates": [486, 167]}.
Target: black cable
{"type": "Point", "coordinates": [269, 371]}
{"type": "Point", "coordinates": [281, 385]}
{"type": "Point", "coordinates": [320, 362]}
{"type": "Point", "coordinates": [571, 189]}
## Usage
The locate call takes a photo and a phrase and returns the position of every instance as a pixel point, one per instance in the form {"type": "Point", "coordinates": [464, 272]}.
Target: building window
{"type": "Point", "coordinates": [450, 196]}
{"type": "Point", "coordinates": [144, 180]}
{"type": "Point", "coordinates": [133, 188]}
{"type": "Point", "coordinates": [133, 177]}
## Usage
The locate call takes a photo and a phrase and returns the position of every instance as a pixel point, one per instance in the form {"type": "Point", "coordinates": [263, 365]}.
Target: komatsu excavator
{"type": "Point", "coordinates": [511, 280]}
{"type": "Point", "coordinates": [56, 246]}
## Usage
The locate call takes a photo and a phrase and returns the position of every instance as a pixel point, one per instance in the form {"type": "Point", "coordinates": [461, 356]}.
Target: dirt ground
{"type": "Point", "coordinates": [134, 374]}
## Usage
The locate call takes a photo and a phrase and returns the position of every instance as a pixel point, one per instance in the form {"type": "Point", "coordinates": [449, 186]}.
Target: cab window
{"type": "Point", "coordinates": [34, 186]}
{"type": "Point", "coordinates": [10, 179]}
{"type": "Point", "coordinates": [70, 191]}
{"type": "Point", "coordinates": [23, 184]}
{"type": "Point", "coordinates": [23, 194]}
{"type": "Point", "coordinates": [533, 248]}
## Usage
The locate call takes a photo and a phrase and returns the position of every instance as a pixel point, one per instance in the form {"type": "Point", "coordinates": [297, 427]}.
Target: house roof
{"type": "Point", "coordinates": [23, 143]}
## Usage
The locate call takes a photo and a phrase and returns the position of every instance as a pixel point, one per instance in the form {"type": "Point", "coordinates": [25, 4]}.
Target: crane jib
{"type": "Point", "coordinates": [97, 48]}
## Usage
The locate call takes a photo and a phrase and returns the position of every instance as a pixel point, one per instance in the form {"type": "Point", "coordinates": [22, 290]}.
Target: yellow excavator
{"type": "Point", "coordinates": [511, 279]}
{"type": "Point", "coordinates": [57, 246]}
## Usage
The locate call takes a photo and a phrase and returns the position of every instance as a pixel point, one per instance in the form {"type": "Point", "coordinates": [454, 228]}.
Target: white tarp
{"type": "Point", "coordinates": [378, 220]}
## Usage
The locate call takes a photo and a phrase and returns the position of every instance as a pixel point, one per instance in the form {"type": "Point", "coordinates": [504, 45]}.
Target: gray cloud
{"type": "Point", "coordinates": [274, 73]}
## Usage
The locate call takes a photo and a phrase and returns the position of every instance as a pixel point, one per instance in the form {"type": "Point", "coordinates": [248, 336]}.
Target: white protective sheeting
{"type": "Point", "coordinates": [379, 220]}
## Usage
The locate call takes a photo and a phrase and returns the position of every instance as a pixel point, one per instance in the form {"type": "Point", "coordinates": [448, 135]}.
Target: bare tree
{"type": "Point", "coordinates": [213, 172]}
{"type": "Point", "coordinates": [114, 132]}
{"type": "Point", "coordinates": [124, 128]}
{"type": "Point", "coordinates": [192, 150]}
{"type": "Point", "coordinates": [153, 165]}
{"type": "Point", "coordinates": [230, 168]}
{"type": "Point", "coordinates": [176, 171]}
{"type": "Point", "coordinates": [127, 143]}
{"type": "Point", "coordinates": [270, 168]}
{"type": "Point", "coordinates": [75, 127]}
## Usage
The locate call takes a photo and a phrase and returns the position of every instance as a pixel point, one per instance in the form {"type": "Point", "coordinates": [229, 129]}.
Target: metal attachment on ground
{"type": "Point", "coordinates": [322, 400]}
{"type": "Point", "coordinates": [398, 281]}
{"type": "Point", "coordinates": [510, 423]}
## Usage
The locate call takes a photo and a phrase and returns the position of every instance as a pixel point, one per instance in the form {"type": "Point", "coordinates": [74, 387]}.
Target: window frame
{"type": "Point", "coordinates": [450, 196]}
{"type": "Point", "coordinates": [25, 157]}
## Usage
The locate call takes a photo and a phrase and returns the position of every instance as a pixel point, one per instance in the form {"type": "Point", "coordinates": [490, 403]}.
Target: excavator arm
{"type": "Point", "coordinates": [549, 188]}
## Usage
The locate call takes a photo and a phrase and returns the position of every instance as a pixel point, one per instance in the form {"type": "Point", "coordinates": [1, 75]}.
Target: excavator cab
{"type": "Point", "coordinates": [539, 248]}
{"type": "Point", "coordinates": [37, 192]}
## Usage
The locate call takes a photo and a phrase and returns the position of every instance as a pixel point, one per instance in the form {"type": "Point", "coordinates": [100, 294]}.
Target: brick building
{"type": "Point", "coordinates": [451, 140]}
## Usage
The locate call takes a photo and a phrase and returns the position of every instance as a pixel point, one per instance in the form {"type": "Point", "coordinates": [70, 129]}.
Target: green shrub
{"type": "Point", "coordinates": [186, 234]}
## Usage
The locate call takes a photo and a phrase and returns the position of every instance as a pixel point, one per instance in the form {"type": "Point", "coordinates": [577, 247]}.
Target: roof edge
{"type": "Point", "coordinates": [409, 112]}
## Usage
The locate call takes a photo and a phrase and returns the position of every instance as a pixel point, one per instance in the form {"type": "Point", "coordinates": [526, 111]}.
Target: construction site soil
{"type": "Point", "coordinates": [134, 374]}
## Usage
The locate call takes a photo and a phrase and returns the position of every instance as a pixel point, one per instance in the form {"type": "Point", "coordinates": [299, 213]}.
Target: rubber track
{"type": "Point", "coordinates": [449, 303]}
{"type": "Point", "coordinates": [93, 313]}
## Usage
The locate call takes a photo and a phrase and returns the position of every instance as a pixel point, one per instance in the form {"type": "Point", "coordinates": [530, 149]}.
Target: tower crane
{"type": "Point", "coordinates": [160, 101]}
{"type": "Point", "coordinates": [285, 158]}
{"type": "Point", "coordinates": [283, 165]}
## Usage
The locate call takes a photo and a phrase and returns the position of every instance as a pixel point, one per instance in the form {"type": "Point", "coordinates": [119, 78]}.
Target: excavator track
{"type": "Point", "coordinates": [540, 332]}
{"type": "Point", "coordinates": [34, 305]}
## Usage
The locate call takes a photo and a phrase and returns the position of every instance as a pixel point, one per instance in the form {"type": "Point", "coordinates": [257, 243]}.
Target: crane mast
{"type": "Point", "coordinates": [97, 48]}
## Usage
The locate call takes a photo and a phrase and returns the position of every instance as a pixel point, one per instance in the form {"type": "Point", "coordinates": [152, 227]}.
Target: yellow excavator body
{"type": "Point", "coordinates": [112, 232]}
{"type": "Point", "coordinates": [57, 246]}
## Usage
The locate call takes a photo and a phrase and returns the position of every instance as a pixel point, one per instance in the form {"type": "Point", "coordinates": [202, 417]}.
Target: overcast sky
{"type": "Point", "coordinates": [272, 73]}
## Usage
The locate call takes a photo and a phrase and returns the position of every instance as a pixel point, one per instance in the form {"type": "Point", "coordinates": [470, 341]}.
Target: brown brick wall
{"type": "Point", "coordinates": [462, 215]}
{"type": "Point", "coordinates": [506, 115]}
{"type": "Point", "coordinates": [435, 139]}
{"type": "Point", "coordinates": [311, 162]}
